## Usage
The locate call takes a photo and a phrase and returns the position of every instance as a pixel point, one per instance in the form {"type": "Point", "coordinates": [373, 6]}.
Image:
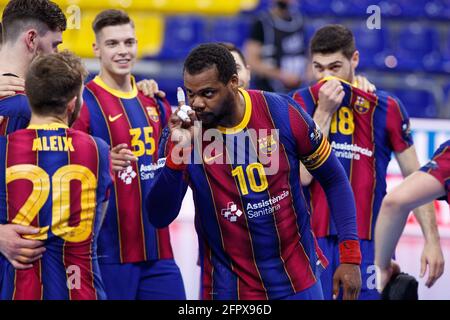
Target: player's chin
{"type": "Point", "coordinates": [208, 120]}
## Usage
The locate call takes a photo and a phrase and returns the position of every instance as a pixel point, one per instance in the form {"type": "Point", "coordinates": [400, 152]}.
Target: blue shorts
{"type": "Point", "coordinates": [330, 248]}
{"type": "Point", "coordinates": [150, 280]}
{"type": "Point", "coordinates": [312, 293]}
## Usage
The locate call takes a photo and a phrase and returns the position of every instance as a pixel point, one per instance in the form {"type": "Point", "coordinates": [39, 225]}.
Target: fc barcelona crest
{"type": "Point", "coordinates": [362, 105]}
{"type": "Point", "coordinates": [267, 145]}
{"type": "Point", "coordinates": [153, 113]}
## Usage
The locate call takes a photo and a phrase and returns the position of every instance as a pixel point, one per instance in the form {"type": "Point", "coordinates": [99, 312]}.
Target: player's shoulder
{"type": "Point", "coordinates": [387, 96]}
{"type": "Point", "coordinates": [151, 102]}
{"type": "Point", "coordinates": [443, 148]}
{"type": "Point", "coordinates": [446, 144]}
{"type": "Point", "coordinates": [20, 137]}
{"type": "Point", "coordinates": [90, 89]}
{"type": "Point", "coordinates": [82, 137]}
{"type": "Point", "coordinates": [86, 141]}
{"type": "Point", "coordinates": [15, 105]}
{"type": "Point", "coordinates": [91, 84]}
{"type": "Point", "coordinates": [301, 91]}
{"type": "Point", "coordinates": [274, 100]}
{"type": "Point", "coordinates": [25, 132]}
{"type": "Point", "coordinates": [92, 95]}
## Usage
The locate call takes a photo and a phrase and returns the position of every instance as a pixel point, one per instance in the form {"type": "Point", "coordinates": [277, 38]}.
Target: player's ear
{"type": "Point", "coordinates": [71, 105]}
{"type": "Point", "coordinates": [31, 39]}
{"type": "Point", "coordinates": [234, 82]}
{"type": "Point", "coordinates": [355, 59]}
{"type": "Point", "coordinates": [96, 49]}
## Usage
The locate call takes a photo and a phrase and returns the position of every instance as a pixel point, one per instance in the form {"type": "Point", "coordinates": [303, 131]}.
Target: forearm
{"type": "Point", "coordinates": [323, 120]}
{"type": "Point", "coordinates": [166, 196]}
{"type": "Point", "coordinates": [305, 177]}
{"type": "Point", "coordinates": [426, 217]}
{"type": "Point", "coordinates": [332, 178]}
{"type": "Point", "coordinates": [425, 214]}
{"type": "Point", "coordinates": [389, 228]}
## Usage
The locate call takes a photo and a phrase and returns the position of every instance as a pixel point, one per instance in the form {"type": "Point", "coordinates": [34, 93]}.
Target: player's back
{"type": "Point", "coordinates": [56, 179]}
{"type": "Point", "coordinates": [15, 113]}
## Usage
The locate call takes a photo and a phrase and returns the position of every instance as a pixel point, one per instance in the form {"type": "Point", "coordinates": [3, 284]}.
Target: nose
{"type": "Point", "coordinates": [122, 49]}
{"type": "Point", "coordinates": [327, 73]}
{"type": "Point", "coordinates": [198, 105]}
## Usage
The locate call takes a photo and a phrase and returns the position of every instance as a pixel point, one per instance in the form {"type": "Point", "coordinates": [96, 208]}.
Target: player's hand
{"type": "Point", "coordinates": [121, 157]}
{"type": "Point", "coordinates": [9, 85]}
{"type": "Point", "coordinates": [181, 122]}
{"type": "Point", "coordinates": [331, 95]}
{"type": "Point", "coordinates": [150, 88]}
{"type": "Point", "coordinates": [290, 80]}
{"type": "Point", "coordinates": [365, 85]}
{"type": "Point", "coordinates": [384, 275]}
{"type": "Point", "coordinates": [433, 258]}
{"type": "Point", "coordinates": [20, 252]}
{"type": "Point", "coordinates": [349, 277]}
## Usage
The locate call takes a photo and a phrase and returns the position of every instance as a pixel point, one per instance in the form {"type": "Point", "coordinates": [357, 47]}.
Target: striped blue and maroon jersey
{"type": "Point", "coordinates": [57, 179]}
{"type": "Point", "coordinates": [364, 132]}
{"type": "Point", "coordinates": [132, 118]}
{"type": "Point", "coordinates": [252, 219]}
{"type": "Point", "coordinates": [15, 113]}
{"type": "Point", "coordinates": [439, 166]}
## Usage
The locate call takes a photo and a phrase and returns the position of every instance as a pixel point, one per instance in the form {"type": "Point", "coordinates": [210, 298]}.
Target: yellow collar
{"type": "Point", "coordinates": [245, 119]}
{"type": "Point", "coordinates": [339, 79]}
{"type": "Point", "coordinates": [48, 126]}
{"type": "Point", "coordinates": [120, 94]}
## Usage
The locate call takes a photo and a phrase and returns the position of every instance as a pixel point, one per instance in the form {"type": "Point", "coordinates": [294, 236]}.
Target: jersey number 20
{"type": "Point", "coordinates": [60, 199]}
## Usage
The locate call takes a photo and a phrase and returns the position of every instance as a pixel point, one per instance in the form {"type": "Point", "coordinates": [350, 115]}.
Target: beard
{"type": "Point", "coordinates": [212, 120]}
{"type": "Point", "coordinates": [76, 112]}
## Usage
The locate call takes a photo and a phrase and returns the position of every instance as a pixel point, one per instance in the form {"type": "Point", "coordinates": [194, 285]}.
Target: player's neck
{"type": "Point", "coordinates": [13, 60]}
{"type": "Point", "coordinates": [38, 120]}
{"type": "Point", "coordinates": [117, 82]}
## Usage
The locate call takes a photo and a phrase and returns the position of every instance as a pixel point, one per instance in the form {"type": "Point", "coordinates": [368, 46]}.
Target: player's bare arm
{"type": "Point", "coordinates": [415, 190]}
{"type": "Point", "coordinates": [20, 252]}
{"type": "Point", "coordinates": [432, 256]}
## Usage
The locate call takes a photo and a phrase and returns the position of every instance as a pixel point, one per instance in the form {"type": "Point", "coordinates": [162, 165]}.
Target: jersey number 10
{"type": "Point", "coordinates": [251, 170]}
